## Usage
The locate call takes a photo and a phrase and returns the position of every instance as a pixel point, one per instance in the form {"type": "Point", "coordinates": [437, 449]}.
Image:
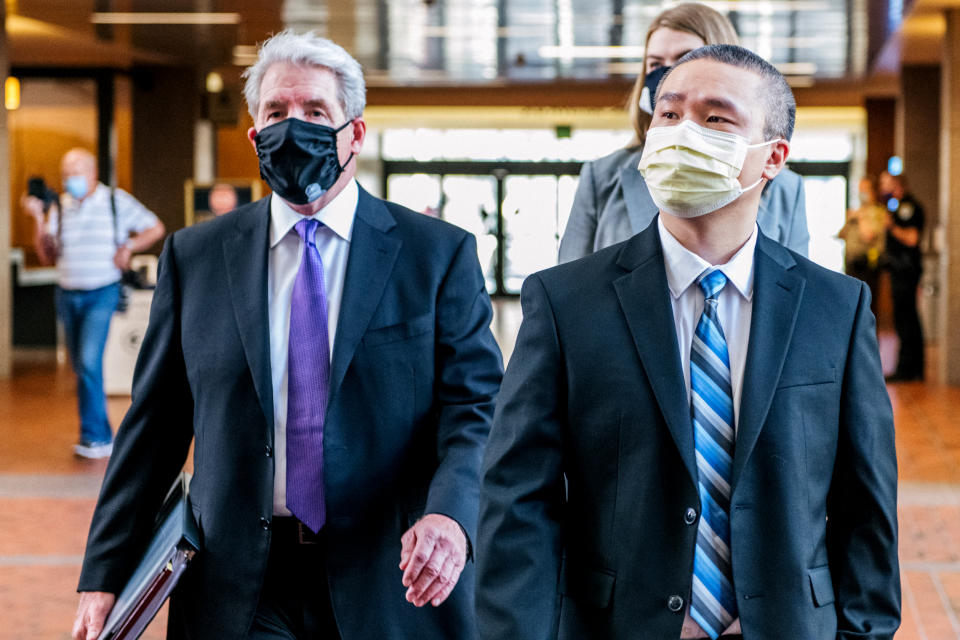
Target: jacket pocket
{"type": "Point", "coordinates": [800, 379]}
{"type": "Point", "coordinates": [593, 587]}
{"type": "Point", "coordinates": [401, 331]}
{"type": "Point", "coordinates": [821, 586]}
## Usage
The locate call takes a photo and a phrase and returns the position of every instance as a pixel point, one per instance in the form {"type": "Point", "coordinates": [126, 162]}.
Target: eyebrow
{"type": "Point", "coordinates": [671, 96]}
{"type": "Point", "coordinates": [313, 102]}
{"type": "Point", "coordinates": [713, 101]}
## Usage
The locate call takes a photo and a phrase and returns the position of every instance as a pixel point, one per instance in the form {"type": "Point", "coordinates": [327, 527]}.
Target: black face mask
{"type": "Point", "coordinates": [652, 81]}
{"type": "Point", "coordinates": [299, 159]}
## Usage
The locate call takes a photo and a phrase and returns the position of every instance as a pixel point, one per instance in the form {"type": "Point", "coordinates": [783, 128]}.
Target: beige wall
{"type": "Point", "coordinates": [236, 158]}
{"type": "Point", "coordinates": [54, 116]}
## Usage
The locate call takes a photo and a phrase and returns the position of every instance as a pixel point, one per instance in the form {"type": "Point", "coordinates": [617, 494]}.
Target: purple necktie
{"type": "Point", "coordinates": [308, 382]}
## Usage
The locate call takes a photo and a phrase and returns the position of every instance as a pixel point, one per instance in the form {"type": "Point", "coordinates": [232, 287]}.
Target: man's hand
{"type": "Point", "coordinates": [433, 554]}
{"type": "Point", "coordinates": [91, 614]}
{"type": "Point", "coordinates": [122, 257]}
{"type": "Point", "coordinates": [33, 207]}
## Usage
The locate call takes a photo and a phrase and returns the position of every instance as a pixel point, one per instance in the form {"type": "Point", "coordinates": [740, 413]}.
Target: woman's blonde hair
{"type": "Point", "coordinates": [707, 24]}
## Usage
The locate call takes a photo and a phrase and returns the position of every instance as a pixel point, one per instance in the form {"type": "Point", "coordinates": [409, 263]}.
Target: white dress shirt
{"type": "Point", "coordinates": [286, 251]}
{"type": "Point", "coordinates": [734, 309]}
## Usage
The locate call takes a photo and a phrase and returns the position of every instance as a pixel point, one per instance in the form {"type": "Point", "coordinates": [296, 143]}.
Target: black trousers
{"type": "Point", "coordinates": [295, 599]}
{"type": "Point", "coordinates": [906, 321]}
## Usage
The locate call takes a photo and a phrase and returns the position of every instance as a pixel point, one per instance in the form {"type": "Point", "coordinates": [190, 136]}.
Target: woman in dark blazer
{"type": "Point", "coordinates": [612, 203]}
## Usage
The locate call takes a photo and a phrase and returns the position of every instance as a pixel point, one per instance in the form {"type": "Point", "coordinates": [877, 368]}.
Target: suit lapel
{"type": "Point", "coordinates": [645, 300]}
{"type": "Point", "coordinates": [245, 252]}
{"type": "Point", "coordinates": [777, 291]}
{"type": "Point", "coordinates": [640, 206]}
{"type": "Point", "coordinates": [373, 252]}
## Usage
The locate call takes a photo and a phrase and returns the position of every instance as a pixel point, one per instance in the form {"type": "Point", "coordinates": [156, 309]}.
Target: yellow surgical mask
{"type": "Point", "coordinates": [691, 170]}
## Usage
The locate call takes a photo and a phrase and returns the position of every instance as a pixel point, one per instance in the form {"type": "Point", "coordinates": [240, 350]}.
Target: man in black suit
{"type": "Point", "coordinates": [693, 438]}
{"type": "Point", "coordinates": [330, 355]}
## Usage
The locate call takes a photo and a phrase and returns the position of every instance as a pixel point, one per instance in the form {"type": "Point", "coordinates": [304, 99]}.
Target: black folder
{"type": "Point", "coordinates": [175, 541]}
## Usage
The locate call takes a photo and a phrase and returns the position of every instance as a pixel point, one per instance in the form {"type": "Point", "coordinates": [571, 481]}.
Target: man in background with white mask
{"type": "Point", "coordinates": [693, 438]}
{"type": "Point", "coordinates": [91, 242]}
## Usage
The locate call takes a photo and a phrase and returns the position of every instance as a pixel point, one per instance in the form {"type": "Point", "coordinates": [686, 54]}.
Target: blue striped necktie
{"type": "Point", "coordinates": [714, 602]}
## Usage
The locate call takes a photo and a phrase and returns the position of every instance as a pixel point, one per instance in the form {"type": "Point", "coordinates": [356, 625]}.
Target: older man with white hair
{"type": "Point", "coordinates": [91, 239]}
{"type": "Point", "coordinates": [331, 355]}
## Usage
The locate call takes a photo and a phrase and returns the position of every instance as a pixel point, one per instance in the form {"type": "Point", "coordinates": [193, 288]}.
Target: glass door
{"type": "Point", "coordinates": [516, 210]}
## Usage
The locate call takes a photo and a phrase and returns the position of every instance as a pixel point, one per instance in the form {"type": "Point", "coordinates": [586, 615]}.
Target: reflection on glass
{"type": "Point", "coordinates": [470, 202]}
{"type": "Point", "coordinates": [826, 211]}
{"type": "Point", "coordinates": [566, 188]}
{"type": "Point", "coordinates": [418, 191]}
{"type": "Point", "coordinates": [821, 146]}
{"type": "Point", "coordinates": [530, 227]}
{"type": "Point", "coordinates": [517, 145]}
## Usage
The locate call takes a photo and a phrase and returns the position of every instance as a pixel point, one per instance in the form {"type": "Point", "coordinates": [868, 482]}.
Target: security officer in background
{"type": "Point", "coordinates": [905, 221]}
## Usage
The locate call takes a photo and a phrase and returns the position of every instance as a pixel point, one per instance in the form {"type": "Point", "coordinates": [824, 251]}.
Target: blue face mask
{"type": "Point", "coordinates": [76, 186]}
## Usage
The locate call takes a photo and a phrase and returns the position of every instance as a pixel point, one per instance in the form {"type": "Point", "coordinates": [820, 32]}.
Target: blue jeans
{"type": "Point", "coordinates": [85, 315]}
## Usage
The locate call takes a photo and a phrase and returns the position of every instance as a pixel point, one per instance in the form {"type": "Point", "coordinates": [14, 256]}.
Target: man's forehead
{"type": "Point", "coordinates": [705, 72]}
{"type": "Point", "coordinates": [78, 161]}
{"type": "Point", "coordinates": [284, 81]}
{"type": "Point", "coordinates": [712, 83]}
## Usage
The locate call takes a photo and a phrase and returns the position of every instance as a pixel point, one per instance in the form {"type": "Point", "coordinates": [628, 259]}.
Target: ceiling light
{"type": "Point", "coordinates": [11, 93]}
{"type": "Point", "coordinates": [244, 55]}
{"type": "Point", "coordinates": [214, 82]}
{"type": "Point", "coordinates": [796, 68]}
{"type": "Point", "coordinates": [758, 6]}
{"type": "Point", "coordinates": [801, 82]}
{"type": "Point", "coordinates": [118, 17]}
{"type": "Point", "coordinates": [590, 52]}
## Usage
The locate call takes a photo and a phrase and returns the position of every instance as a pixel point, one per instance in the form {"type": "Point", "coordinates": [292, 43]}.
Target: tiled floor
{"type": "Point", "coordinates": [47, 496]}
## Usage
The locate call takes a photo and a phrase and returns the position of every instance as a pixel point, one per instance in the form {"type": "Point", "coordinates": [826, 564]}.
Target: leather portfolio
{"type": "Point", "coordinates": [175, 541]}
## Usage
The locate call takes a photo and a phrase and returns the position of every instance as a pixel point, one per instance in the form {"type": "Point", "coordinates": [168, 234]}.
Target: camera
{"type": "Point", "coordinates": [37, 188]}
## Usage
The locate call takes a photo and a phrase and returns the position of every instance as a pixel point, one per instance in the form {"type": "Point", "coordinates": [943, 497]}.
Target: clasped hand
{"type": "Point", "coordinates": [433, 553]}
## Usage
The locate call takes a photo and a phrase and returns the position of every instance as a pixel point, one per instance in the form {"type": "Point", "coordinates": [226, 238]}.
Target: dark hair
{"type": "Point", "coordinates": [780, 108]}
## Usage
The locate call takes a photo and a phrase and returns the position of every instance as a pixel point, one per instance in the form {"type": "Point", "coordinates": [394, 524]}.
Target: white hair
{"type": "Point", "coordinates": [312, 50]}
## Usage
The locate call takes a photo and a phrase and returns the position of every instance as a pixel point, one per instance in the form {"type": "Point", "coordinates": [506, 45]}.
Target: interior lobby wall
{"type": "Point", "coordinates": [55, 115]}
{"type": "Point", "coordinates": [165, 106]}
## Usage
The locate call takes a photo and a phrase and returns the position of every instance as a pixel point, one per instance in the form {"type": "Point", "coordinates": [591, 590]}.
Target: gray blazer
{"type": "Point", "coordinates": [612, 204]}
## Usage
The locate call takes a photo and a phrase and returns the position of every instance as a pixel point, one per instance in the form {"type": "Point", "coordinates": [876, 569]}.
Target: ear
{"type": "Point", "coordinates": [776, 159]}
{"type": "Point", "coordinates": [359, 131]}
{"type": "Point", "coordinates": [251, 134]}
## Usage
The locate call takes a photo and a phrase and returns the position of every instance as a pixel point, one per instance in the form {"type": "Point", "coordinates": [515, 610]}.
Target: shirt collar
{"type": "Point", "coordinates": [684, 266]}
{"type": "Point", "coordinates": [338, 215]}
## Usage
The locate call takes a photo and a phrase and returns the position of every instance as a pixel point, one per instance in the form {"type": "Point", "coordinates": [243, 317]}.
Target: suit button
{"type": "Point", "coordinates": [265, 524]}
{"type": "Point", "coordinates": [690, 516]}
{"type": "Point", "coordinates": [268, 450]}
{"type": "Point", "coordinates": [674, 603]}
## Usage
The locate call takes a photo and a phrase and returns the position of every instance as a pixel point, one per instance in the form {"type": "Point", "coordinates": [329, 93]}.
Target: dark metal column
{"type": "Point", "coordinates": [105, 103]}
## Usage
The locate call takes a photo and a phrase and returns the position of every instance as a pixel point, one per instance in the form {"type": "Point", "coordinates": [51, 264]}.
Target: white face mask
{"type": "Point", "coordinates": [691, 170]}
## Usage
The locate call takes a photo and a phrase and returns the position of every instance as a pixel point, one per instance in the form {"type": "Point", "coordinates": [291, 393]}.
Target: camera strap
{"type": "Point", "coordinates": [113, 211]}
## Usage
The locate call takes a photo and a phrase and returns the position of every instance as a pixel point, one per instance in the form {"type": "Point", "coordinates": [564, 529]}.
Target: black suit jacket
{"type": "Point", "coordinates": [414, 373]}
{"type": "Point", "coordinates": [594, 396]}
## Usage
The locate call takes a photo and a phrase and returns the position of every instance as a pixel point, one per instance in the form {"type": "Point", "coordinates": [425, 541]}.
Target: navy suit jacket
{"type": "Point", "coordinates": [590, 471]}
{"type": "Point", "coordinates": [414, 374]}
